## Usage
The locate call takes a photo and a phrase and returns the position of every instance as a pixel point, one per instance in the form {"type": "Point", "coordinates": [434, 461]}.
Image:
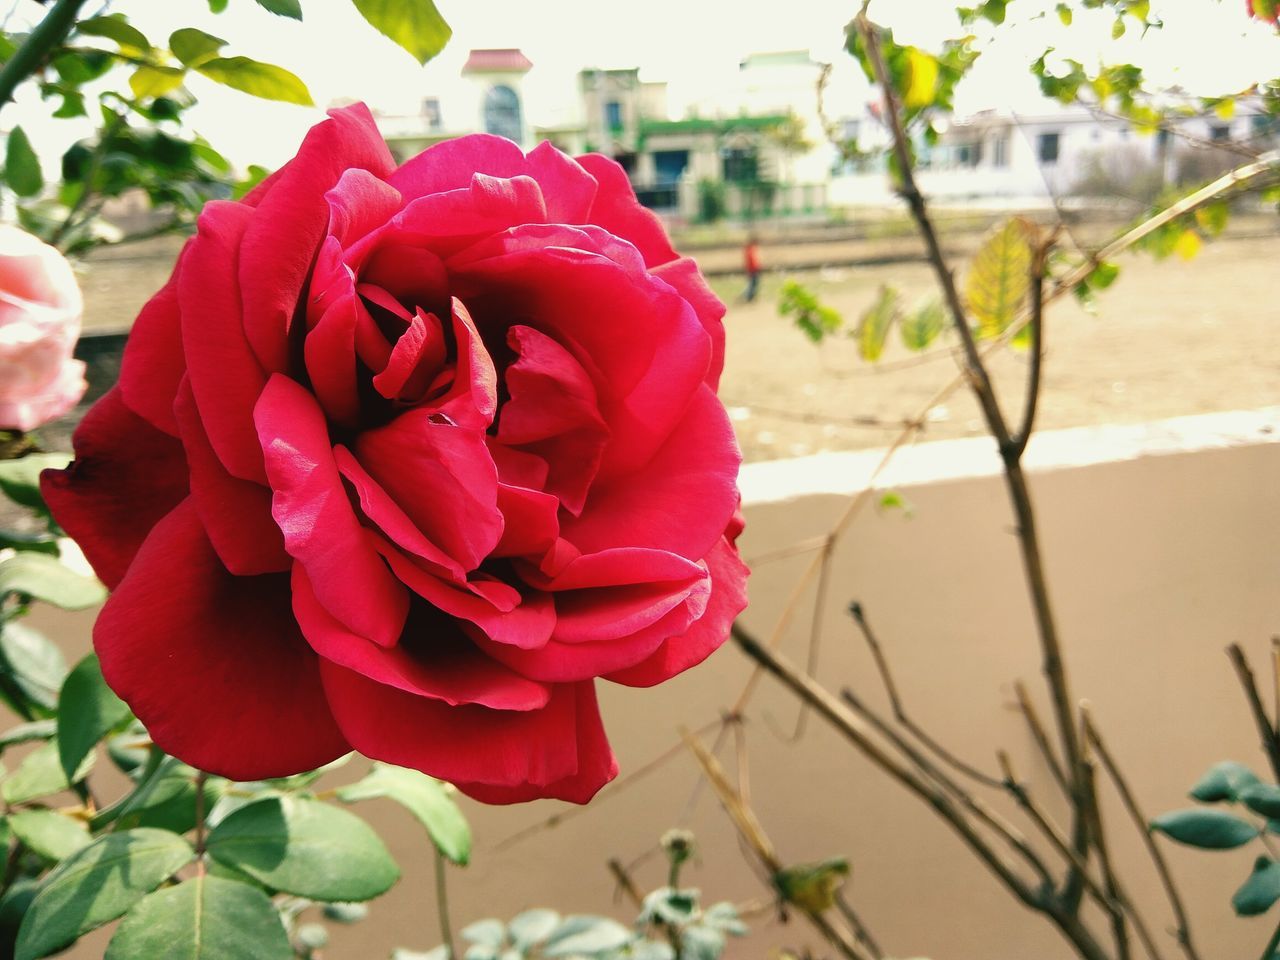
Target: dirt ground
{"type": "Point", "coordinates": [1169, 338]}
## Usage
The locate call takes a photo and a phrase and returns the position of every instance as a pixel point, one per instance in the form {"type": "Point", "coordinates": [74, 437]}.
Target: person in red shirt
{"type": "Point", "coordinates": [751, 263]}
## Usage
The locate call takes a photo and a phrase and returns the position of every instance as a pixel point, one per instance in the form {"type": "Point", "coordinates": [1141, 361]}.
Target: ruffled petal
{"type": "Point", "coordinates": [126, 476]}
{"type": "Point", "coordinates": [558, 751]}
{"type": "Point", "coordinates": [684, 276]}
{"type": "Point", "coordinates": [618, 211]}
{"type": "Point", "coordinates": [320, 528]}
{"type": "Point", "coordinates": [433, 659]}
{"type": "Point", "coordinates": [153, 364]}
{"type": "Point", "coordinates": [214, 664]}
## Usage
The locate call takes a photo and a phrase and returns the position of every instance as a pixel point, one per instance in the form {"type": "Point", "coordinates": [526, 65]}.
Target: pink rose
{"type": "Point", "coordinates": [403, 460]}
{"type": "Point", "coordinates": [40, 308]}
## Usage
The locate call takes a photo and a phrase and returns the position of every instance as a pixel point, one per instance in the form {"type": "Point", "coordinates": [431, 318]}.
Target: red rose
{"type": "Point", "coordinates": [402, 460]}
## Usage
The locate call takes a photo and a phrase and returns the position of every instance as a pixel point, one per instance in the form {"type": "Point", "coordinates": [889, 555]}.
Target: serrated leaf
{"type": "Point", "coordinates": [89, 711]}
{"type": "Point", "coordinates": [47, 578]}
{"type": "Point", "coordinates": [152, 81]}
{"type": "Point", "coordinates": [1260, 891]}
{"type": "Point", "coordinates": [698, 942]}
{"type": "Point", "coordinates": [424, 797]}
{"type": "Point", "coordinates": [283, 8]}
{"type": "Point", "coordinates": [35, 664]}
{"type": "Point", "coordinates": [40, 775]}
{"type": "Point", "coordinates": [306, 848]}
{"type": "Point", "coordinates": [264, 80]}
{"type": "Point", "coordinates": [96, 885]}
{"type": "Point", "coordinates": [193, 46]}
{"type": "Point", "coordinates": [21, 165]}
{"type": "Point", "coordinates": [1223, 781]}
{"type": "Point", "coordinates": [921, 327]}
{"type": "Point", "coordinates": [922, 79]}
{"type": "Point", "coordinates": [115, 27]}
{"type": "Point", "coordinates": [724, 916]}
{"type": "Point", "coordinates": [532, 927]}
{"type": "Point", "coordinates": [1205, 828]}
{"type": "Point", "coordinates": [204, 918]}
{"type": "Point", "coordinates": [873, 325]}
{"type": "Point", "coordinates": [20, 479]}
{"type": "Point", "coordinates": [51, 834]}
{"type": "Point", "coordinates": [586, 936]}
{"type": "Point", "coordinates": [485, 933]}
{"type": "Point", "coordinates": [999, 278]}
{"type": "Point", "coordinates": [416, 25]}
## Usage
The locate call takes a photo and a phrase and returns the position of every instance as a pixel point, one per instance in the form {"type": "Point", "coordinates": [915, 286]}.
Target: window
{"type": "Point", "coordinates": [1000, 151]}
{"type": "Point", "coordinates": [613, 116]}
{"type": "Point", "coordinates": [1219, 132]}
{"type": "Point", "coordinates": [1048, 146]}
{"type": "Point", "coordinates": [740, 165]}
{"type": "Point", "coordinates": [968, 154]}
{"type": "Point", "coordinates": [431, 113]}
{"type": "Point", "coordinates": [502, 113]}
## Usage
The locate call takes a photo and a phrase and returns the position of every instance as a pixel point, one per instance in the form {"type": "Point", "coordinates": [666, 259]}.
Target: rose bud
{"type": "Point", "coordinates": [40, 309]}
{"type": "Point", "coordinates": [404, 459]}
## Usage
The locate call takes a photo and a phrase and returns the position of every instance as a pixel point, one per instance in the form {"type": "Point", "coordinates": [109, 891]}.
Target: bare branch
{"type": "Point", "coordinates": [1140, 823]}
{"type": "Point", "coordinates": [1040, 737]}
{"type": "Point", "coordinates": [1266, 730]}
{"type": "Point", "coordinates": [1039, 261]}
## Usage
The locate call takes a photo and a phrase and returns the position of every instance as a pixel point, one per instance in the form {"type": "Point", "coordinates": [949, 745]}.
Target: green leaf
{"type": "Point", "coordinates": [1103, 275]}
{"type": "Point", "coordinates": [20, 479]}
{"type": "Point", "coordinates": [40, 775]}
{"type": "Point", "coordinates": [90, 710]}
{"type": "Point", "coordinates": [813, 886]}
{"type": "Point", "coordinates": [532, 927]}
{"type": "Point", "coordinates": [873, 325]}
{"type": "Point", "coordinates": [1117, 28]}
{"type": "Point", "coordinates": [96, 885]}
{"type": "Point", "coordinates": [264, 80]}
{"type": "Point", "coordinates": [36, 665]}
{"type": "Point", "coordinates": [1206, 829]}
{"type": "Point", "coordinates": [1188, 244]}
{"type": "Point", "coordinates": [151, 81]}
{"type": "Point", "coordinates": [415, 25]}
{"type": "Point", "coordinates": [1262, 798]}
{"type": "Point", "coordinates": [1000, 277]}
{"type": "Point", "coordinates": [588, 936]}
{"type": "Point", "coordinates": [204, 918]}
{"type": "Point", "coordinates": [217, 6]}
{"type": "Point", "coordinates": [1213, 217]}
{"type": "Point", "coordinates": [47, 578]}
{"type": "Point", "coordinates": [116, 27]}
{"type": "Point", "coordinates": [26, 732]}
{"type": "Point", "coordinates": [1223, 781]}
{"type": "Point", "coordinates": [51, 834]}
{"type": "Point", "coordinates": [283, 8]}
{"type": "Point", "coordinates": [920, 328]}
{"type": "Point", "coordinates": [306, 848]}
{"type": "Point", "coordinates": [1260, 891]}
{"type": "Point", "coordinates": [425, 797]}
{"type": "Point", "coordinates": [21, 165]}
{"type": "Point", "coordinates": [193, 46]}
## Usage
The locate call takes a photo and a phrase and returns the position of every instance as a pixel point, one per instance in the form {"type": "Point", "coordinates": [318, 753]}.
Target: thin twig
{"type": "Point", "coordinates": [442, 907]}
{"type": "Point", "coordinates": [625, 884]}
{"type": "Point", "coordinates": [1268, 733]}
{"type": "Point", "coordinates": [859, 928]}
{"type": "Point", "coordinates": [1039, 260]}
{"type": "Point", "coordinates": [815, 629]}
{"type": "Point", "coordinates": [900, 712]}
{"type": "Point", "coordinates": [1038, 734]}
{"type": "Point", "coordinates": [1119, 925]}
{"type": "Point", "coordinates": [1140, 822]}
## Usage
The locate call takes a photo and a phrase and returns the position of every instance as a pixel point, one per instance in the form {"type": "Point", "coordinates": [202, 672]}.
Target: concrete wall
{"type": "Point", "coordinates": [1160, 542]}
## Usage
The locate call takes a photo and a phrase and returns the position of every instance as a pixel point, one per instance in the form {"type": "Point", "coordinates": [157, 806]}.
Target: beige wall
{"type": "Point", "coordinates": [1161, 545]}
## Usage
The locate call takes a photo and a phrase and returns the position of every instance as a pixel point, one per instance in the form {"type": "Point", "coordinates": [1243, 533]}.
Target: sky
{"type": "Point", "coordinates": [1207, 46]}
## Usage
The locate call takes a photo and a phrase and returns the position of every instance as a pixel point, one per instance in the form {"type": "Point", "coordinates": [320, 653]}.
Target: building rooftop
{"type": "Point", "coordinates": [503, 60]}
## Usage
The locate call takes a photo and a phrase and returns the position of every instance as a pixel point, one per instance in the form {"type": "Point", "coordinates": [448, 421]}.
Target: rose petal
{"type": "Point", "coordinates": [320, 528]}
{"type": "Point", "coordinates": [568, 188]}
{"type": "Point", "coordinates": [226, 377]}
{"type": "Point", "coordinates": [452, 164]}
{"type": "Point", "coordinates": [679, 501]}
{"type": "Point", "coordinates": [558, 751]}
{"type": "Point", "coordinates": [236, 513]}
{"type": "Point", "coordinates": [441, 476]}
{"type": "Point", "coordinates": [433, 658]}
{"type": "Point", "coordinates": [704, 637]}
{"type": "Point", "coordinates": [153, 364]}
{"type": "Point", "coordinates": [618, 211]}
{"type": "Point", "coordinates": [415, 359]}
{"type": "Point", "coordinates": [213, 664]}
{"type": "Point", "coordinates": [684, 276]}
{"type": "Point", "coordinates": [127, 475]}
{"type": "Point", "coordinates": [290, 222]}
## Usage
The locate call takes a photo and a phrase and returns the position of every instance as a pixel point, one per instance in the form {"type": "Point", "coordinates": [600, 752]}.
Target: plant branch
{"type": "Point", "coordinates": [47, 36]}
{"type": "Point", "coordinates": [845, 722]}
{"type": "Point", "coordinates": [442, 906]}
{"type": "Point", "coordinates": [1270, 736]}
{"type": "Point", "coordinates": [625, 884]}
{"type": "Point", "coordinates": [900, 713]}
{"type": "Point", "coordinates": [1183, 926]}
{"type": "Point", "coordinates": [1272, 947]}
{"type": "Point", "coordinates": [1041, 738]}
{"type": "Point", "coordinates": [1039, 261]}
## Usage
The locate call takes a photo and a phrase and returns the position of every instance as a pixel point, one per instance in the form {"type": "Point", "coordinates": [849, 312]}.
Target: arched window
{"type": "Point", "coordinates": [502, 112]}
